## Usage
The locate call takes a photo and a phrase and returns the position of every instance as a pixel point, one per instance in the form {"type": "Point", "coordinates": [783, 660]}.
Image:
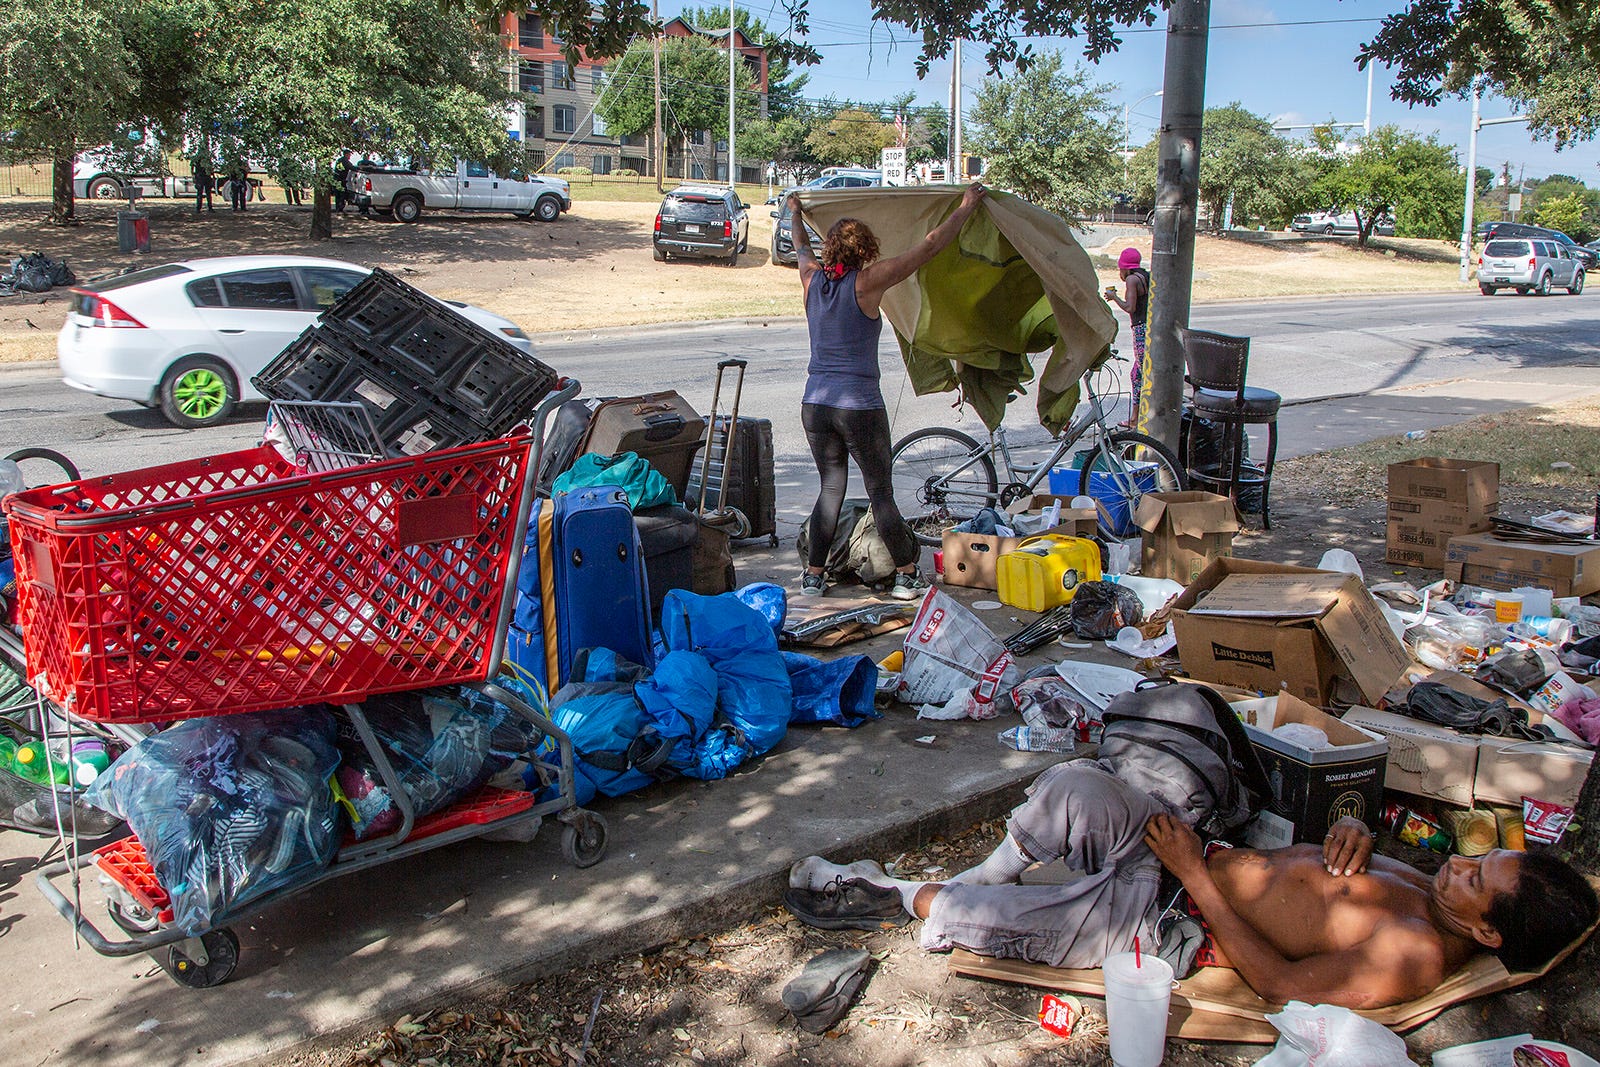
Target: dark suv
{"type": "Point", "coordinates": [701, 222]}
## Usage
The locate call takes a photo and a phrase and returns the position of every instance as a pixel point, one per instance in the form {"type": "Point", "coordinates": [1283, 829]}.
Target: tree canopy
{"type": "Point", "coordinates": [1416, 180]}
{"type": "Point", "coordinates": [783, 84]}
{"type": "Point", "coordinates": [851, 137]}
{"type": "Point", "coordinates": [1243, 162]}
{"type": "Point", "coordinates": [694, 80]}
{"type": "Point", "coordinates": [1051, 136]}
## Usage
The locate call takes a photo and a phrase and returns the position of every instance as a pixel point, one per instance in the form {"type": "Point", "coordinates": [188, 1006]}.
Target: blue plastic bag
{"type": "Point", "coordinates": [839, 691]}
{"type": "Point", "coordinates": [229, 808]}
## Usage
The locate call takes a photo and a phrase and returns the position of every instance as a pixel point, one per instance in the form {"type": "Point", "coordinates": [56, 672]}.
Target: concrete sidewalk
{"type": "Point", "coordinates": [684, 858]}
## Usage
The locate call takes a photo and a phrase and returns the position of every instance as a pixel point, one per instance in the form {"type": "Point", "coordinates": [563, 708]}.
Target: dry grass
{"type": "Point", "coordinates": [1526, 443]}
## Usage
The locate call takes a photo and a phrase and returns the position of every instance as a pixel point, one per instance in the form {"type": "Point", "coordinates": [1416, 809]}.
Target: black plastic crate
{"type": "Point", "coordinates": [408, 414]}
{"type": "Point", "coordinates": [468, 383]}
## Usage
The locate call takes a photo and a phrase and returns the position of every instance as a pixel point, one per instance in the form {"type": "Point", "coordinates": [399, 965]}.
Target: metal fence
{"type": "Point", "coordinates": [25, 181]}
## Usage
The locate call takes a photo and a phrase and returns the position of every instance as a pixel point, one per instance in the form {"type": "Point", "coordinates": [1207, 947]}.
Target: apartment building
{"type": "Point", "coordinates": [557, 118]}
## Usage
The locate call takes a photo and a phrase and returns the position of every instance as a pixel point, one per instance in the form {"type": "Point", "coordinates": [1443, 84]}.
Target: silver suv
{"type": "Point", "coordinates": [1526, 264]}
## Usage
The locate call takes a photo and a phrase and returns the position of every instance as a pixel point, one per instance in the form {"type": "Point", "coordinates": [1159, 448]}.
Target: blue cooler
{"type": "Point", "coordinates": [1108, 491]}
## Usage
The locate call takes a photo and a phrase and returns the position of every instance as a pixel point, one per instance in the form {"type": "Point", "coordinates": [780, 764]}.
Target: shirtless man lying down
{"type": "Point", "coordinates": [1328, 924]}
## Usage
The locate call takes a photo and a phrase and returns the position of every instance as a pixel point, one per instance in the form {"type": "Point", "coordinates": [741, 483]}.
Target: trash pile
{"type": "Point", "coordinates": [35, 272]}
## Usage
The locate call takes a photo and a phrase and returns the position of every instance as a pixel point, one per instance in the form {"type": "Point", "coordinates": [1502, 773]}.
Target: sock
{"type": "Point", "coordinates": [1003, 867]}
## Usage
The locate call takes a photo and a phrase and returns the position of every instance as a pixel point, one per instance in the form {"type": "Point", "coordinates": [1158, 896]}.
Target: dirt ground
{"type": "Point", "coordinates": [715, 1000]}
{"type": "Point", "coordinates": [593, 267]}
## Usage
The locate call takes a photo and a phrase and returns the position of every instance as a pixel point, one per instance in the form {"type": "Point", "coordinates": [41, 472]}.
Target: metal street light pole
{"type": "Point", "coordinates": [1127, 131]}
{"type": "Point", "coordinates": [732, 176]}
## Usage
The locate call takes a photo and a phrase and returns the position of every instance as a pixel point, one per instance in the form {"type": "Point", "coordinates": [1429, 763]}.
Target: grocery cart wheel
{"type": "Point", "coordinates": [583, 839]}
{"type": "Point", "coordinates": [132, 918]}
{"type": "Point", "coordinates": [221, 945]}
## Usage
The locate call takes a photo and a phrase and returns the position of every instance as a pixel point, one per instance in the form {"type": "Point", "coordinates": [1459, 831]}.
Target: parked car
{"type": "Point", "coordinates": [835, 178]}
{"type": "Point", "coordinates": [1585, 254]}
{"type": "Point", "coordinates": [188, 337]}
{"type": "Point", "coordinates": [783, 250]}
{"type": "Point", "coordinates": [1528, 264]}
{"type": "Point", "coordinates": [469, 187]}
{"type": "Point", "coordinates": [1334, 221]}
{"type": "Point", "coordinates": [701, 222]}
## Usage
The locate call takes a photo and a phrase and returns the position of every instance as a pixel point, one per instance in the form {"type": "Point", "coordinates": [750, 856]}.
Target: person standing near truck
{"type": "Point", "coordinates": [1135, 300]}
{"type": "Point", "coordinates": [341, 180]}
{"type": "Point", "coordinates": [204, 182]}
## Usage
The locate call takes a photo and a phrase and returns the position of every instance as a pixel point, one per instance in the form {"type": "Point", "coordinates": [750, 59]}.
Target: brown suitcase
{"type": "Point", "coordinates": [713, 563]}
{"type": "Point", "coordinates": [660, 427]}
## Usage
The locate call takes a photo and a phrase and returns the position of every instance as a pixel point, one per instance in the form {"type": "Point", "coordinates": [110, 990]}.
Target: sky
{"type": "Point", "coordinates": [1291, 60]}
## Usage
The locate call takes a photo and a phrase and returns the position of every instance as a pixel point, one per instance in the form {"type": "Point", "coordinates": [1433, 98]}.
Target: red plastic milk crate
{"type": "Point", "coordinates": [236, 583]}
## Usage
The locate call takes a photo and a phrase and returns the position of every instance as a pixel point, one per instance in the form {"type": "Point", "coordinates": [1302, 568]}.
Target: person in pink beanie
{"type": "Point", "coordinates": [1135, 300]}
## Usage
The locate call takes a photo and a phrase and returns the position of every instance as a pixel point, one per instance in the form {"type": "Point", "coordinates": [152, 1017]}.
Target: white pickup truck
{"type": "Point", "coordinates": [470, 187]}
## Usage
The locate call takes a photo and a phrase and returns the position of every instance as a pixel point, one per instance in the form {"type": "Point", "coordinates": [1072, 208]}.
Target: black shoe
{"type": "Point", "coordinates": [848, 904]}
{"type": "Point", "coordinates": [820, 995]}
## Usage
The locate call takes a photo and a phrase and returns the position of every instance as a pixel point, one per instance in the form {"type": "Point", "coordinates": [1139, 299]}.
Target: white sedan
{"type": "Point", "coordinates": [188, 337]}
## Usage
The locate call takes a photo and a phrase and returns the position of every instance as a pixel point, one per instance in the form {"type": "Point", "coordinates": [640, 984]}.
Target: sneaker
{"type": "Point", "coordinates": [820, 995]}
{"type": "Point", "coordinates": [848, 904]}
{"type": "Point", "coordinates": [909, 586]}
{"type": "Point", "coordinates": [812, 585]}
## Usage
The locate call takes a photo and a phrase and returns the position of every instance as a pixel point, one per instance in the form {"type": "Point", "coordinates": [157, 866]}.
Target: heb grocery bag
{"type": "Point", "coordinates": [951, 654]}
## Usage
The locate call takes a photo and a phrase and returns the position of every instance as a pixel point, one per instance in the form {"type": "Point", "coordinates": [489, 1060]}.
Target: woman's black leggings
{"type": "Point", "coordinates": [838, 435]}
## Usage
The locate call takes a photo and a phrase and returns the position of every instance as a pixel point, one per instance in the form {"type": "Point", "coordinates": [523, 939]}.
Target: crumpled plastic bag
{"type": "Point", "coordinates": [229, 808]}
{"type": "Point", "coordinates": [1100, 610]}
{"type": "Point", "coordinates": [952, 655]}
{"type": "Point", "coordinates": [1322, 1035]}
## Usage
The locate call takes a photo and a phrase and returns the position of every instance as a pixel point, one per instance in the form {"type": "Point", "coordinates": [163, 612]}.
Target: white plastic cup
{"type": "Point", "coordinates": [1507, 607]}
{"type": "Point", "coordinates": [1137, 1002]}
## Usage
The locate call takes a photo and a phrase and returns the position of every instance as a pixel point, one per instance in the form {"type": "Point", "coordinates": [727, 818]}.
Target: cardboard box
{"type": "Point", "coordinates": [1434, 499]}
{"type": "Point", "coordinates": [1509, 770]}
{"type": "Point", "coordinates": [1079, 522]}
{"type": "Point", "coordinates": [970, 559]}
{"type": "Point", "coordinates": [1184, 532]}
{"type": "Point", "coordinates": [1424, 760]}
{"type": "Point", "coordinates": [1315, 788]}
{"type": "Point", "coordinates": [1486, 560]}
{"type": "Point", "coordinates": [1270, 626]}
{"type": "Point", "coordinates": [1445, 487]}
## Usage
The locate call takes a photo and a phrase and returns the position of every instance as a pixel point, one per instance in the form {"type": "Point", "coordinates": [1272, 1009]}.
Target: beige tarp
{"type": "Point", "coordinates": [1014, 283]}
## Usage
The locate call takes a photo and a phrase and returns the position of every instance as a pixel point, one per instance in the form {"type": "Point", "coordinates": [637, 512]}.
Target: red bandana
{"type": "Point", "coordinates": [835, 271]}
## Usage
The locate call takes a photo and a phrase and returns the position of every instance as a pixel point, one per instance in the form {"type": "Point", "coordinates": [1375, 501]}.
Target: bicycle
{"type": "Point", "coordinates": [952, 475]}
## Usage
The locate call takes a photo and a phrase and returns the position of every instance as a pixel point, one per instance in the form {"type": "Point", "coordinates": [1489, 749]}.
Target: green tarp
{"type": "Point", "coordinates": [1015, 283]}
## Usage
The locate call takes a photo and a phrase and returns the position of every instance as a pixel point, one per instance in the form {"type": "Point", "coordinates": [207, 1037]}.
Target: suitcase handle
{"type": "Point", "coordinates": [663, 427]}
{"type": "Point", "coordinates": [647, 408]}
{"type": "Point", "coordinates": [740, 363]}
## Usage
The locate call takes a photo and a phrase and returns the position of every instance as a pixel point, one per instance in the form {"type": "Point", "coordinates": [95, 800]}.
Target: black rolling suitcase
{"type": "Point", "coordinates": [669, 536]}
{"type": "Point", "coordinates": [748, 484]}
{"type": "Point", "coordinates": [563, 443]}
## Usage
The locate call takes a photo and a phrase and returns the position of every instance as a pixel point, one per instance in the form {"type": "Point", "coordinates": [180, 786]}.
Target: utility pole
{"type": "Point", "coordinates": [1177, 197]}
{"type": "Point", "coordinates": [731, 56]}
{"type": "Point", "coordinates": [1472, 185]}
{"type": "Point", "coordinates": [1366, 124]}
{"type": "Point", "coordinates": [657, 149]}
{"type": "Point", "coordinates": [956, 174]}
{"type": "Point", "coordinates": [954, 137]}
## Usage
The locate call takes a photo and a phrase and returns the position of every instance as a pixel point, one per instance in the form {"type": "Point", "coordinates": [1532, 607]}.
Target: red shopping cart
{"type": "Point", "coordinates": [272, 578]}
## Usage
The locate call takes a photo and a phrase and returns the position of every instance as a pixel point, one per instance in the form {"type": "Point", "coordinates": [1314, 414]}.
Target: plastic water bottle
{"type": "Point", "coordinates": [1415, 435]}
{"type": "Point", "coordinates": [1557, 630]}
{"type": "Point", "coordinates": [1038, 739]}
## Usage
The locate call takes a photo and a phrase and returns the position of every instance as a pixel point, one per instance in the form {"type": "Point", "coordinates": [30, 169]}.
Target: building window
{"type": "Point", "coordinates": [566, 119]}
{"type": "Point", "coordinates": [599, 125]}
{"type": "Point", "coordinates": [697, 172]}
{"type": "Point", "coordinates": [530, 76]}
{"type": "Point", "coordinates": [533, 122]}
{"type": "Point", "coordinates": [722, 146]}
{"type": "Point", "coordinates": [601, 164]}
{"type": "Point", "coordinates": [563, 161]}
{"type": "Point", "coordinates": [597, 76]}
{"type": "Point", "coordinates": [530, 31]}
{"type": "Point", "coordinates": [697, 137]}
{"type": "Point", "coordinates": [560, 75]}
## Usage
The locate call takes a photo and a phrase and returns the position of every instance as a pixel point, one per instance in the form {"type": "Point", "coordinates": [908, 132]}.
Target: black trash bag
{"type": "Point", "coordinates": [1100, 609]}
{"type": "Point", "coordinates": [37, 273]}
{"type": "Point", "coordinates": [1519, 671]}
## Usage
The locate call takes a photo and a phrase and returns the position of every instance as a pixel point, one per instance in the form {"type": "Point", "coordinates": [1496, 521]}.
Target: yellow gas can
{"type": "Point", "coordinates": [1044, 572]}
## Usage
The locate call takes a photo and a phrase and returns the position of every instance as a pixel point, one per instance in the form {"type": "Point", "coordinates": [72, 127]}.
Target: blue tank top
{"type": "Point", "coordinates": [844, 346]}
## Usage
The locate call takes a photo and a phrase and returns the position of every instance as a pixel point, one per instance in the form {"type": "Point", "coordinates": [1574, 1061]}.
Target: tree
{"type": "Point", "coordinates": [68, 78]}
{"type": "Point", "coordinates": [781, 140]}
{"type": "Point", "coordinates": [852, 136]}
{"type": "Point", "coordinates": [1050, 136]}
{"type": "Point", "coordinates": [783, 84]}
{"type": "Point", "coordinates": [694, 87]}
{"type": "Point", "coordinates": [1414, 179]}
{"type": "Point", "coordinates": [1569, 214]}
{"type": "Point", "coordinates": [1543, 56]}
{"type": "Point", "coordinates": [1483, 180]}
{"type": "Point", "coordinates": [1243, 162]}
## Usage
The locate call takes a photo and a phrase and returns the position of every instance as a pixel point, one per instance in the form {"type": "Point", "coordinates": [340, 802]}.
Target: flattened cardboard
{"type": "Point", "coordinates": [971, 560]}
{"type": "Point", "coordinates": [1509, 770]}
{"type": "Point", "coordinates": [1424, 760]}
{"type": "Point", "coordinates": [1315, 788]}
{"type": "Point", "coordinates": [1184, 532]}
{"type": "Point", "coordinates": [1276, 627]}
{"type": "Point", "coordinates": [1486, 560]}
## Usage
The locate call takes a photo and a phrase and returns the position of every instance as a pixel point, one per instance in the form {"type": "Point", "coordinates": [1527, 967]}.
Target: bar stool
{"type": "Point", "coordinates": [1216, 365]}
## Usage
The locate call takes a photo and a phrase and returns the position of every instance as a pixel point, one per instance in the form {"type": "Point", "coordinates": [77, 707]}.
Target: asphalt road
{"type": "Point", "coordinates": [1302, 348]}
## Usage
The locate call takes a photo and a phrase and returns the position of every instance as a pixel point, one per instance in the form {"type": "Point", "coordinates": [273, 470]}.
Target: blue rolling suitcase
{"type": "Point", "coordinates": [582, 585]}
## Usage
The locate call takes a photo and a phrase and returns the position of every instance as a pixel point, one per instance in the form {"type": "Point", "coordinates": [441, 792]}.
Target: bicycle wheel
{"type": "Point", "coordinates": [949, 475]}
{"type": "Point", "coordinates": [1121, 470]}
